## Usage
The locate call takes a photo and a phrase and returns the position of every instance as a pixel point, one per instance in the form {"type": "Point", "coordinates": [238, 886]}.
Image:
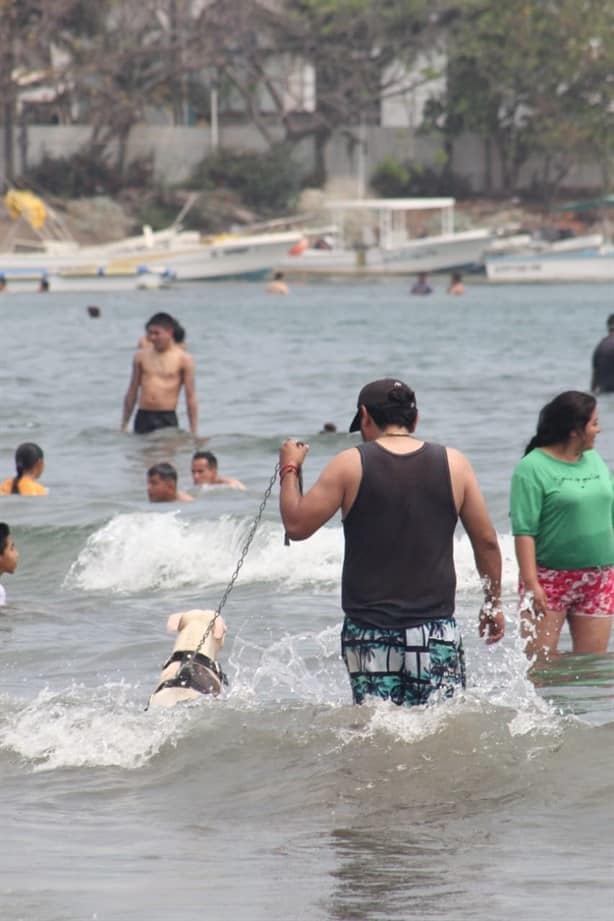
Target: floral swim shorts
{"type": "Point", "coordinates": [405, 666]}
{"type": "Point", "coordinates": [578, 591]}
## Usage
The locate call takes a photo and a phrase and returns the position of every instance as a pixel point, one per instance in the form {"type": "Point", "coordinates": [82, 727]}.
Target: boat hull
{"type": "Point", "coordinates": [429, 254]}
{"type": "Point", "coordinates": [60, 282]}
{"type": "Point", "coordinates": [229, 257]}
{"type": "Point", "coordinates": [589, 266]}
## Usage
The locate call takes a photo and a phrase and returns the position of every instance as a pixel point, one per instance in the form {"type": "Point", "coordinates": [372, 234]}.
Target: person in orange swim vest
{"type": "Point", "coordinates": [29, 464]}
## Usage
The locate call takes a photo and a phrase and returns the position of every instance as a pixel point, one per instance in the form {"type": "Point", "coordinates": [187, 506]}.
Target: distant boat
{"type": "Point", "coordinates": [582, 259]}
{"type": "Point", "coordinates": [82, 280]}
{"type": "Point", "coordinates": [190, 257]}
{"type": "Point", "coordinates": [393, 236]}
{"type": "Point", "coordinates": [583, 266]}
{"type": "Point", "coordinates": [172, 253]}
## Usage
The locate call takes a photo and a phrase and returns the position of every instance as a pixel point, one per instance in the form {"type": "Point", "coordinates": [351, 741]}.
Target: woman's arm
{"type": "Point", "coordinates": [527, 564]}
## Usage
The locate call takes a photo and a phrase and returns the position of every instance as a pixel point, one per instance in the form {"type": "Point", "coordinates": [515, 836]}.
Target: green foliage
{"type": "Point", "coordinates": [156, 211]}
{"type": "Point", "coordinates": [532, 77]}
{"type": "Point", "coordinates": [87, 173]}
{"type": "Point", "coordinates": [393, 179]}
{"type": "Point", "coordinates": [268, 182]}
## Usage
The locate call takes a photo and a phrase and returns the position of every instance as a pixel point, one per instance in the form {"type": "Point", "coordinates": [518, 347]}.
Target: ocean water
{"type": "Point", "coordinates": [281, 800]}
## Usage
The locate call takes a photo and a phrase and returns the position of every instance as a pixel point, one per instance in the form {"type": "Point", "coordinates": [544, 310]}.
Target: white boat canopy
{"type": "Point", "coordinates": [393, 230]}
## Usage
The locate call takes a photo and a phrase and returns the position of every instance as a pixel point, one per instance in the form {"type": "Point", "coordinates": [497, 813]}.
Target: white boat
{"type": "Point", "coordinates": [181, 255]}
{"type": "Point", "coordinates": [171, 253]}
{"type": "Point", "coordinates": [395, 237]}
{"type": "Point", "coordinates": [189, 257]}
{"type": "Point", "coordinates": [83, 279]}
{"type": "Point", "coordinates": [578, 259]}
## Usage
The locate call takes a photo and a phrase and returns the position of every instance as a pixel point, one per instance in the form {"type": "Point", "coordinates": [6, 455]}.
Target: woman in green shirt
{"type": "Point", "coordinates": [562, 506]}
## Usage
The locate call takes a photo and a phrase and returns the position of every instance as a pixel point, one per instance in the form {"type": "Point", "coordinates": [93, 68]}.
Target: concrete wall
{"type": "Point", "coordinates": [469, 161]}
{"type": "Point", "coordinates": [177, 149]}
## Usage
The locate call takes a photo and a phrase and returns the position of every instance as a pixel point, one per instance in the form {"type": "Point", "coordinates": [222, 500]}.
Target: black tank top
{"type": "Point", "coordinates": [603, 364]}
{"type": "Point", "coordinates": [398, 569]}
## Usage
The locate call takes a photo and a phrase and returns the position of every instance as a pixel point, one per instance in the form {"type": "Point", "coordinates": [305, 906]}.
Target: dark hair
{"type": "Point", "coordinates": [404, 415]}
{"type": "Point", "coordinates": [569, 411]}
{"type": "Point", "coordinates": [4, 536]}
{"type": "Point", "coordinates": [162, 319]}
{"type": "Point", "coordinates": [209, 456]}
{"type": "Point", "coordinates": [611, 321]}
{"type": "Point", "coordinates": [164, 471]}
{"type": "Point", "coordinates": [178, 333]}
{"type": "Point", "coordinates": [26, 456]}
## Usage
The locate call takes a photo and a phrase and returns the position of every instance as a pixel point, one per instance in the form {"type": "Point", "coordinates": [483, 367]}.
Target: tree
{"type": "Point", "coordinates": [349, 43]}
{"type": "Point", "coordinates": [25, 46]}
{"type": "Point", "coordinates": [531, 77]}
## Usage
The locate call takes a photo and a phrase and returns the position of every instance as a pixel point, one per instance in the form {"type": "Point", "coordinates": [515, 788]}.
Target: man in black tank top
{"type": "Point", "coordinates": [602, 380]}
{"type": "Point", "coordinates": [400, 499]}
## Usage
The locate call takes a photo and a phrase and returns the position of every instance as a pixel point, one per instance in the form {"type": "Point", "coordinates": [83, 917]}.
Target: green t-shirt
{"type": "Point", "coordinates": [567, 507]}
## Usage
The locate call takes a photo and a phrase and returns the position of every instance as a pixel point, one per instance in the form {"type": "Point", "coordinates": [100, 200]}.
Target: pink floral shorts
{"type": "Point", "coordinates": [578, 591]}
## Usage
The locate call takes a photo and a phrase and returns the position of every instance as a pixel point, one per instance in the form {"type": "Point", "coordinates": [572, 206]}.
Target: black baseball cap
{"type": "Point", "coordinates": [387, 393]}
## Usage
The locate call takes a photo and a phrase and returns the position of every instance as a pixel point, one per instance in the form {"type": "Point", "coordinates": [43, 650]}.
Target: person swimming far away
{"type": "Point", "coordinates": [29, 466]}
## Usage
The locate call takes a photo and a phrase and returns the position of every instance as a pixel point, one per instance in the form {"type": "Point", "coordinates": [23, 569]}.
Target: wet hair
{"type": "Point", "coordinates": [162, 319]}
{"type": "Point", "coordinates": [26, 456]}
{"type": "Point", "coordinates": [570, 411]}
{"type": "Point", "coordinates": [4, 536]}
{"type": "Point", "coordinates": [164, 471]}
{"type": "Point", "coordinates": [209, 456]}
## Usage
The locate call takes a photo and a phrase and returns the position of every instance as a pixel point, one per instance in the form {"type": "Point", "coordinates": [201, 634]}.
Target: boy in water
{"type": "Point", "coordinates": [204, 472]}
{"type": "Point", "coordinates": [159, 372]}
{"type": "Point", "coordinates": [8, 556]}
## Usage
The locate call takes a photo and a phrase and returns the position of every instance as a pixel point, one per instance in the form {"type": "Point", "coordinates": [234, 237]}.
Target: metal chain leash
{"type": "Point", "coordinates": [241, 560]}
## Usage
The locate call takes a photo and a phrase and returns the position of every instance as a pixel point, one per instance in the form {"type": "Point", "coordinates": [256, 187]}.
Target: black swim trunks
{"type": "Point", "coordinates": [149, 420]}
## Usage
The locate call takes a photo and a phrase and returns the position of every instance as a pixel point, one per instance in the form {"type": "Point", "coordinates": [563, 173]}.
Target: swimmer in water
{"type": "Point", "coordinates": [29, 464]}
{"type": "Point", "coordinates": [456, 286]}
{"type": "Point", "coordinates": [205, 472]}
{"type": "Point", "coordinates": [278, 285]}
{"type": "Point", "coordinates": [162, 485]}
{"type": "Point", "coordinates": [9, 556]}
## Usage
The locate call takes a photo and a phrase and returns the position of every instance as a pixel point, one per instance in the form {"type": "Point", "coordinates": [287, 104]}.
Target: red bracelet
{"type": "Point", "coordinates": [287, 468]}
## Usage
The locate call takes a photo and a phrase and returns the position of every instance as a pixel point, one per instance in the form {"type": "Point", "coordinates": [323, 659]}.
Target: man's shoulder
{"type": "Point", "coordinates": [344, 461]}
{"type": "Point", "coordinates": [606, 345]}
{"type": "Point", "coordinates": [455, 457]}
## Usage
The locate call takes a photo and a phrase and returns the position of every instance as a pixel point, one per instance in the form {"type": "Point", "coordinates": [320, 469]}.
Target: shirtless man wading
{"type": "Point", "coordinates": [158, 374]}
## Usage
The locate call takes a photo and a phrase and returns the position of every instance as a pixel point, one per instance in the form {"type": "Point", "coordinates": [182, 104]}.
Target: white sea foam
{"type": "Point", "coordinates": [106, 726]}
{"type": "Point", "coordinates": [304, 667]}
{"type": "Point", "coordinates": [80, 728]}
{"type": "Point", "coordinates": [139, 552]}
